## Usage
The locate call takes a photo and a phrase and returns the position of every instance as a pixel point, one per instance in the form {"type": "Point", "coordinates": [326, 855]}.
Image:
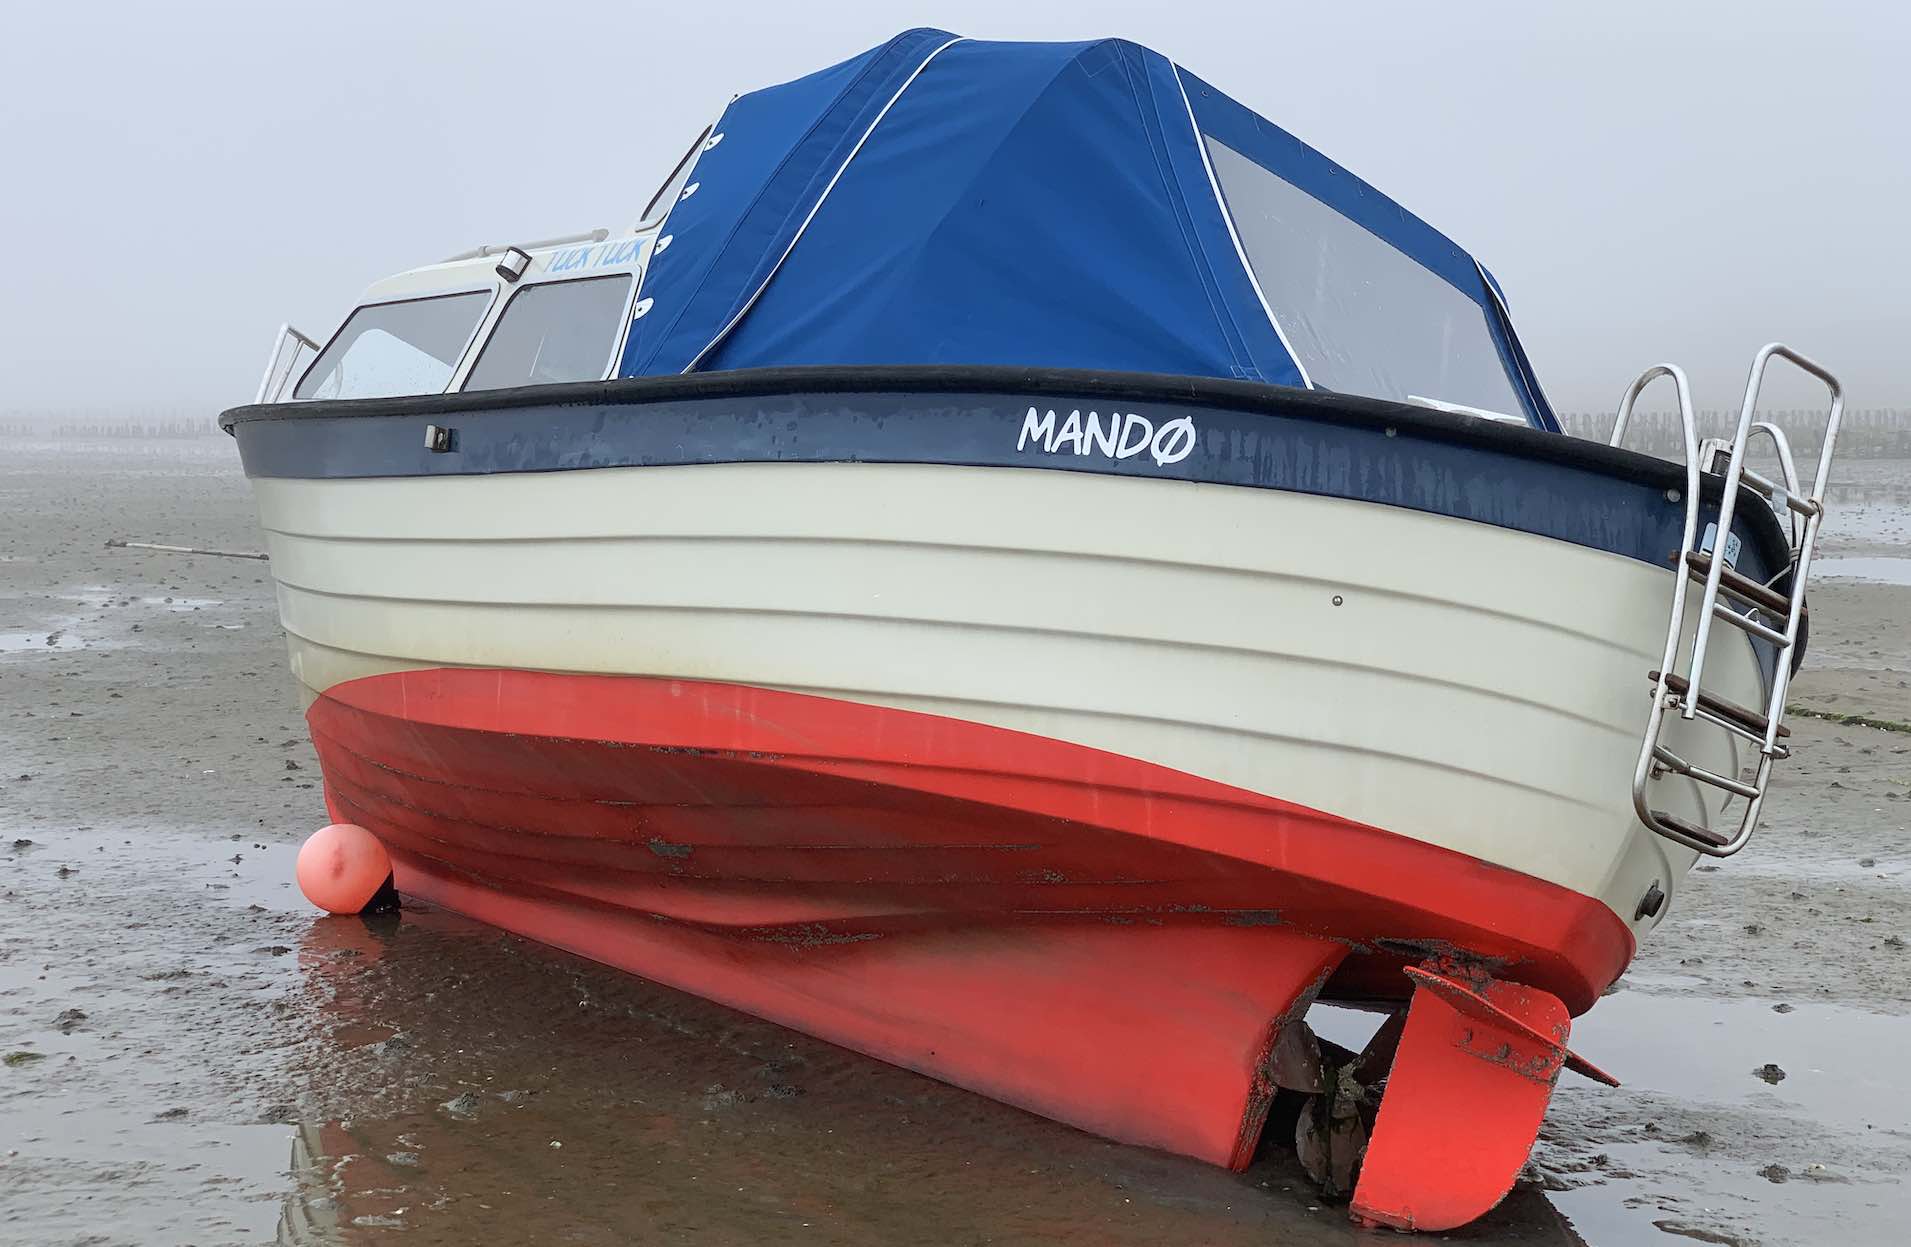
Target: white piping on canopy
{"type": "Point", "coordinates": [764, 284]}
{"type": "Point", "coordinates": [1227, 218]}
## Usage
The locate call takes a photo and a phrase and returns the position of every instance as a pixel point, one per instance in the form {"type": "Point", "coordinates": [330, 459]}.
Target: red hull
{"type": "Point", "coordinates": [1107, 942]}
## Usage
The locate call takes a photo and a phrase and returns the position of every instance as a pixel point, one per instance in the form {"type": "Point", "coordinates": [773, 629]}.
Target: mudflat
{"type": "Point", "coordinates": [189, 1054]}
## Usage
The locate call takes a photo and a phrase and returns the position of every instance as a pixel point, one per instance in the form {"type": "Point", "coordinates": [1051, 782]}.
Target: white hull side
{"type": "Point", "coordinates": [1471, 686]}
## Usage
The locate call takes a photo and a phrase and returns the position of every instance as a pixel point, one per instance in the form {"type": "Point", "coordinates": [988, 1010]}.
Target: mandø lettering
{"type": "Point", "coordinates": [1121, 436]}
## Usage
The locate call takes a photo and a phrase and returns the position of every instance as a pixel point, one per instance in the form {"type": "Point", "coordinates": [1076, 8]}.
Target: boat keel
{"type": "Point", "coordinates": [1099, 1025]}
{"type": "Point", "coordinates": [1469, 1086]}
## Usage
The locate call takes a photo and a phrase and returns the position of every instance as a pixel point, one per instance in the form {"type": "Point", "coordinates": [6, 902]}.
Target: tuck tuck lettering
{"type": "Point", "coordinates": [1119, 437]}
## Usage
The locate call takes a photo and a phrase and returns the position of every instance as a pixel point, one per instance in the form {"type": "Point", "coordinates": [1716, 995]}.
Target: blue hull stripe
{"type": "Point", "coordinates": [1166, 428]}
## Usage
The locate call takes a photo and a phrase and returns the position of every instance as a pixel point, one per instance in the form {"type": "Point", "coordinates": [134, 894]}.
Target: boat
{"type": "Point", "coordinates": [1020, 567]}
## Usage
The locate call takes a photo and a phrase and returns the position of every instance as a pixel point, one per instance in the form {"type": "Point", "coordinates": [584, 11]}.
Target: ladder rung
{"type": "Point", "coordinates": [1739, 586]}
{"type": "Point", "coordinates": [1745, 717]}
{"type": "Point", "coordinates": [1721, 611]}
{"type": "Point", "coordinates": [1738, 730]}
{"type": "Point", "coordinates": [1693, 830]}
{"type": "Point", "coordinates": [1704, 776]}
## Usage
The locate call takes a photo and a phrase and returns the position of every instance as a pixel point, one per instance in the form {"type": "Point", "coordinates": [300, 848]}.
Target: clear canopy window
{"type": "Point", "coordinates": [387, 349]}
{"type": "Point", "coordinates": [1359, 314]}
{"type": "Point", "coordinates": [556, 331]}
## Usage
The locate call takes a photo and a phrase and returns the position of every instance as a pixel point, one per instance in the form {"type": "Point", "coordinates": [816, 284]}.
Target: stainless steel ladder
{"type": "Point", "coordinates": [1708, 563]}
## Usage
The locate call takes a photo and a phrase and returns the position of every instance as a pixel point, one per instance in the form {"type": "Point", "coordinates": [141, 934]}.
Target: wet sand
{"type": "Point", "coordinates": [191, 1055]}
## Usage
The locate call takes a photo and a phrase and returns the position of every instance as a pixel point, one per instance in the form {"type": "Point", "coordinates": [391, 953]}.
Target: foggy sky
{"type": "Point", "coordinates": [1649, 181]}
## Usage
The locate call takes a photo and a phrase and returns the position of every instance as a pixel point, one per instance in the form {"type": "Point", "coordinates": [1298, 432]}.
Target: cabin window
{"type": "Point", "coordinates": [387, 349]}
{"type": "Point", "coordinates": [1361, 315]}
{"type": "Point", "coordinates": [554, 331]}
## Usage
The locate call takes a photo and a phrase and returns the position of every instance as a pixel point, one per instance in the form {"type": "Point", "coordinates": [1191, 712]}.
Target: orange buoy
{"type": "Point", "coordinates": [342, 867]}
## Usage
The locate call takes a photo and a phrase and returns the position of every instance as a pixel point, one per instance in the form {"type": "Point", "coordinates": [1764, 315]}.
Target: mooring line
{"type": "Point", "coordinates": [117, 543]}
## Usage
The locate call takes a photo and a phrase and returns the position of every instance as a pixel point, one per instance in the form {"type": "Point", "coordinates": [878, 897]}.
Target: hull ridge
{"type": "Point", "coordinates": [1104, 941]}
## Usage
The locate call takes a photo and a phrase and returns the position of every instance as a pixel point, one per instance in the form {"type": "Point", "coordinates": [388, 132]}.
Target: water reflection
{"type": "Point", "coordinates": [1868, 505]}
{"type": "Point", "coordinates": [1876, 570]}
{"type": "Point", "coordinates": [1856, 482]}
{"type": "Point", "coordinates": [466, 1087]}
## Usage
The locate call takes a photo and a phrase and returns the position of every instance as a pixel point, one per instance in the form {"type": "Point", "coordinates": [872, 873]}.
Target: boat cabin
{"type": "Point", "coordinates": [494, 319]}
{"type": "Point", "coordinates": [940, 200]}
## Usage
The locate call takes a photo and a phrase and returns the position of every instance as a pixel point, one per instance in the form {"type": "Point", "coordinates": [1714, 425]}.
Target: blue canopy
{"type": "Point", "coordinates": [940, 200]}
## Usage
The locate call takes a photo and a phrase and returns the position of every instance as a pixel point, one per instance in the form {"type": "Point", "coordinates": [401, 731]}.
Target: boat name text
{"type": "Point", "coordinates": [597, 255]}
{"type": "Point", "coordinates": [1120, 436]}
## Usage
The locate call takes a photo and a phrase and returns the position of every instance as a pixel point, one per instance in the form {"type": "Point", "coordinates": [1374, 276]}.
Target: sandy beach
{"type": "Point", "coordinates": [193, 1055]}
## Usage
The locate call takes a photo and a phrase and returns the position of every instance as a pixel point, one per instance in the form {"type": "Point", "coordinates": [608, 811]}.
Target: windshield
{"type": "Point", "coordinates": [387, 349]}
{"type": "Point", "coordinates": [556, 331]}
